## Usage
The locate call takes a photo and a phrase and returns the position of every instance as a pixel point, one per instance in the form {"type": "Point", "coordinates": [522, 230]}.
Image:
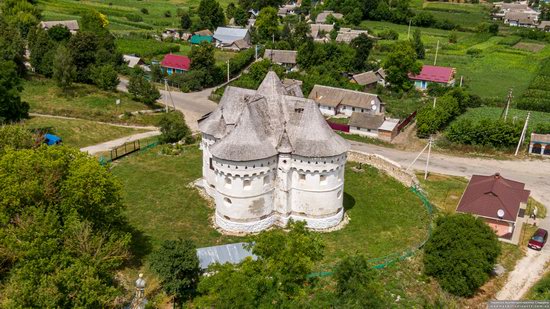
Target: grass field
{"type": "Point", "coordinates": [385, 216]}
{"type": "Point", "coordinates": [80, 133]}
{"type": "Point", "coordinates": [463, 14]}
{"type": "Point", "coordinates": [84, 101]}
{"type": "Point", "coordinates": [444, 191]}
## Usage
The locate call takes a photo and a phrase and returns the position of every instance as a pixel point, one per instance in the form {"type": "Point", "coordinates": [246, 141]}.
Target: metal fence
{"type": "Point", "coordinates": [125, 150]}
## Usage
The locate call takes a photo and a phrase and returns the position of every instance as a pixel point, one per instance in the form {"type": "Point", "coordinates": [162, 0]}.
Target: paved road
{"type": "Point", "coordinates": [193, 105]}
{"type": "Point", "coordinates": [107, 146]}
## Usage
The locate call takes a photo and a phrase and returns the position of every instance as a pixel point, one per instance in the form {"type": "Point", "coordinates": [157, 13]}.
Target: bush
{"type": "Point", "coordinates": [429, 120]}
{"type": "Point", "coordinates": [174, 129]}
{"type": "Point", "coordinates": [542, 128]}
{"type": "Point", "coordinates": [388, 34]}
{"type": "Point", "coordinates": [474, 52]}
{"type": "Point", "coordinates": [142, 90]}
{"type": "Point", "coordinates": [486, 132]}
{"type": "Point", "coordinates": [105, 77]}
{"type": "Point", "coordinates": [461, 253]}
{"type": "Point", "coordinates": [167, 14]}
{"type": "Point", "coordinates": [144, 11]}
{"type": "Point", "coordinates": [453, 37]}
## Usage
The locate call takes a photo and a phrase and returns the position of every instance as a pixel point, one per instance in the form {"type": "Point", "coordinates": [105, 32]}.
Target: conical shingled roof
{"type": "Point", "coordinates": [249, 140]}
{"type": "Point", "coordinates": [284, 145]}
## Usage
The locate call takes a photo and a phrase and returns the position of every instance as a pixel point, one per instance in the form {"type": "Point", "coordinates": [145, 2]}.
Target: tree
{"type": "Point", "coordinates": [202, 56]}
{"type": "Point", "coordinates": [461, 253]}
{"type": "Point", "coordinates": [59, 33]}
{"type": "Point", "coordinates": [174, 129]}
{"type": "Point", "coordinates": [21, 14]}
{"type": "Point", "coordinates": [211, 14]}
{"type": "Point", "coordinates": [15, 137]}
{"type": "Point", "coordinates": [267, 24]}
{"type": "Point", "coordinates": [62, 231]}
{"type": "Point", "coordinates": [399, 63]}
{"type": "Point", "coordinates": [83, 47]}
{"type": "Point", "coordinates": [105, 77]}
{"type": "Point", "coordinates": [64, 70]}
{"type": "Point", "coordinates": [177, 265]}
{"type": "Point", "coordinates": [418, 45]}
{"type": "Point", "coordinates": [356, 284]}
{"type": "Point", "coordinates": [156, 73]}
{"type": "Point", "coordinates": [185, 21]}
{"type": "Point", "coordinates": [12, 45]}
{"type": "Point", "coordinates": [362, 45]}
{"type": "Point", "coordinates": [241, 17]}
{"type": "Point", "coordinates": [142, 90]}
{"type": "Point", "coordinates": [93, 21]}
{"type": "Point", "coordinates": [42, 50]}
{"type": "Point", "coordinates": [11, 106]}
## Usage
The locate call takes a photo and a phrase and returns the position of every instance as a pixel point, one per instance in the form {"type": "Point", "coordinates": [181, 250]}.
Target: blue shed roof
{"type": "Point", "coordinates": [51, 139]}
{"type": "Point", "coordinates": [230, 253]}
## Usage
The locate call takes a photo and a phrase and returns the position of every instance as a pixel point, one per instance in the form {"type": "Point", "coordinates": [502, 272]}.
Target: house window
{"type": "Point", "coordinates": [211, 165]}
{"type": "Point", "coordinates": [247, 184]}
{"type": "Point", "coordinates": [227, 182]}
{"type": "Point", "coordinates": [323, 179]}
{"type": "Point", "coordinates": [302, 178]}
{"type": "Point", "coordinates": [353, 109]}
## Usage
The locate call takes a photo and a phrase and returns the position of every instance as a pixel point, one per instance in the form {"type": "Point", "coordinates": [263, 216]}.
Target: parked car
{"type": "Point", "coordinates": [538, 240]}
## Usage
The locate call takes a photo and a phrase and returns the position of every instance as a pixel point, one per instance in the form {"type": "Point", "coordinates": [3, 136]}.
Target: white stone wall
{"type": "Point", "coordinates": [363, 131]}
{"type": "Point", "coordinates": [327, 110]}
{"type": "Point", "coordinates": [207, 172]}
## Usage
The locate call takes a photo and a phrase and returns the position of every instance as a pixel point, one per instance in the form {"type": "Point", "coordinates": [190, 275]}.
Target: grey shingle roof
{"type": "Point", "coordinates": [331, 96]}
{"type": "Point", "coordinates": [281, 56]}
{"type": "Point", "coordinates": [269, 121]}
{"type": "Point", "coordinates": [70, 24]}
{"type": "Point", "coordinates": [366, 78]}
{"type": "Point", "coordinates": [366, 121]}
{"type": "Point", "coordinates": [322, 17]}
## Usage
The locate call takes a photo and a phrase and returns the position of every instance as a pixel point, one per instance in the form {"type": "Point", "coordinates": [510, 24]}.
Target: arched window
{"type": "Point", "coordinates": [323, 179]}
{"type": "Point", "coordinates": [228, 182]}
{"type": "Point", "coordinates": [247, 183]}
{"type": "Point", "coordinates": [537, 148]}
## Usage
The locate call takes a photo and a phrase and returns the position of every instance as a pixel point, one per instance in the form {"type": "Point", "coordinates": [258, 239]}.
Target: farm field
{"type": "Point", "coordinates": [84, 101]}
{"type": "Point", "coordinates": [465, 15]}
{"type": "Point", "coordinates": [80, 133]}
{"type": "Point", "coordinates": [517, 114]}
{"type": "Point", "coordinates": [176, 210]}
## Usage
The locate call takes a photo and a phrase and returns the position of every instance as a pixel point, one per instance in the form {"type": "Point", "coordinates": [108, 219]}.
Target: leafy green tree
{"type": "Point", "coordinates": [211, 14]}
{"type": "Point", "coordinates": [362, 45]}
{"type": "Point", "coordinates": [42, 50]}
{"type": "Point", "coordinates": [64, 70]}
{"type": "Point", "coordinates": [185, 21]}
{"type": "Point", "coordinates": [93, 21]}
{"type": "Point", "coordinates": [174, 129]}
{"type": "Point", "coordinates": [15, 137]}
{"type": "Point", "coordinates": [11, 106]}
{"type": "Point", "coordinates": [177, 264]}
{"type": "Point", "coordinates": [230, 10]}
{"type": "Point", "coordinates": [305, 7]}
{"type": "Point", "coordinates": [141, 89]}
{"type": "Point", "coordinates": [399, 63]}
{"type": "Point", "coordinates": [202, 56]}
{"type": "Point", "coordinates": [156, 73]}
{"type": "Point", "coordinates": [21, 14]}
{"type": "Point", "coordinates": [59, 33]}
{"type": "Point", "coordinates": [241, 17]}
{"type": "Point", "coordinates": [429, 120]}
{"type": "Point", "coordinates": [461, 253]}
{"type": "Point", "coordinates": [267, 24]}
{"type": "Point", "coordinates": [84, 47]}
{"type": "Point", "coordinates": [354, 17]}
{"type": "Point", "coordinates": [105, 77]}
{"type": "Point", "coordinates": [357, 284]}
{"type": "Point", "coordinates": [12, 45]}
{"type": "Point", "coordinates": [418, 45]}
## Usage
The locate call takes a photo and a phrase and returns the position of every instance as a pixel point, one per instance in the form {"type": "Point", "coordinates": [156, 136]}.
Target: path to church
{"type": "Point", "coordinates": [534, 173]}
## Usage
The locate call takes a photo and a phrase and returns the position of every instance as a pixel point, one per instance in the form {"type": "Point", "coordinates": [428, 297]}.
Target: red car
{"type": "Point", "coordinates": [538, 240]}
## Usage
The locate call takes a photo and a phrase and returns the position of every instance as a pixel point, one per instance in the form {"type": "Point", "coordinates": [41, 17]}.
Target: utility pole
{"type": "Point", "coordinates": [418, 156]}
{"type": "Point", "coordinates": [508, 104]}
{"type": "Point", "coordinates": [166, 94]}
{"type": "Point", "coordinates": [436, 50]}
{"type": "Point", "coordinates": [461, 79]}
{"type": "Point", "coordinates": [256, 52]}
{"type": "Point", "coordinates": [435, 100]}
{"type": "Point", "coordinates": [522, 137]}
{"type": "Point", "coordinates": [409, 31]}
{"type": "Point", "coordinates": [273, 39]}
{"type": "Point", "coordinates": [428, 159]}
{"type": "Point", "coordinates": [228, 71]}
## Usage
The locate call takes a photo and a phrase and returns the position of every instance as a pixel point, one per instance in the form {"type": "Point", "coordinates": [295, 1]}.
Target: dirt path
{"type": "Point", "coordinates": [100, 122]}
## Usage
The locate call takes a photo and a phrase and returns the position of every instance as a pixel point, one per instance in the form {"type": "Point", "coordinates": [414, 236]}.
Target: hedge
{"type": "Point", "coordinates": [486, 132]}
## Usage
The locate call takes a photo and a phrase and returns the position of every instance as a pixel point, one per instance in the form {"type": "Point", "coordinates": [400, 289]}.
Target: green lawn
{"type": "Point", "coordinates": [83, 101]}
{"type": "Point", "coordinates": [80, 133]}
{"type": "Point", "coordinates": [463, 14]}
{"type": "Point", "coordinates": [443, 191]}
{"type": "Point", "coordinates": [146, 48]}
{"type": "Point", "coordinates": [386, 217]}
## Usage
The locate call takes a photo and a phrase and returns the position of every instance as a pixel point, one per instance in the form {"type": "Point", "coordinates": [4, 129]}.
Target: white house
{"type": "Point", "coordinates": [370, 78]}
{"type": "Point", "coordinates": [72, 25]}
{"type": "Point", "coordinates": [270, 156]}
{"type": "Point", "coordinates": [373, 125]}
{"type": "Point", "coordinates": [333, 101]}
{"type": "Point", "coordinates": [232, 38]}
{"type": "Point", "coordinates": [286, 58]}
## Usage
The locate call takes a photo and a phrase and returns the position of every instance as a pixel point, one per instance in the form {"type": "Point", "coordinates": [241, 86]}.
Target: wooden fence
{"type": "Point", "coordinates": [125, 149]}
{"type": "Point", "coordinates": [405, 122]}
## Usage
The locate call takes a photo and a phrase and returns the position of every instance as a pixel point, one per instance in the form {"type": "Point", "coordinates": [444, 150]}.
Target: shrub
{"type": "Point", "coordinates": [487, 132]}
{"type": "Point", "coordinates": [168, 14]}
{"type": "Point", "coordinates": [474, 52]}
{"type": "Point", "coordinates": [105, 77]}
{"type": "Point", "coordinates": [429, 120]}
{"type": "Point", "coordinates": [461, 253]}
{"type": "Point", "coordinates": [144, 11]}
{"type": "Point", "coordinates": [174, 129]}
{"type": "Point", "coordinates": [453, 37]}
{"type": "Point", "coordinates": [142, 90]}
{"type": "Point", "coordinates": [542, 128]}
{"type": "Point", "coordinates": [388, 34]}
{"type": "Point", "coordinates": [134, 18]}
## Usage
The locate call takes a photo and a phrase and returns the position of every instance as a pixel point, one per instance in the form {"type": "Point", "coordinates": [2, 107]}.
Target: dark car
{"type": "Point", "coordinates": [538, 240]}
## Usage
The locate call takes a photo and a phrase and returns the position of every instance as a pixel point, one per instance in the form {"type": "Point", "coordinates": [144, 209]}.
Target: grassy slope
{"type": "Point", "coordinates": [162, 206]}
{"type": "Point", "coordinates": [84, 101]}
{"type": "Point", "coordinates": [81, 133]}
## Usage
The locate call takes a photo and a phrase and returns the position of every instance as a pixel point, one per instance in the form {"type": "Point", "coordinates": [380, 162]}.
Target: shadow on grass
{"type": "Point", "coordinates": [140, 247]}
{"type": "Point", "coordinates": [349, 201]}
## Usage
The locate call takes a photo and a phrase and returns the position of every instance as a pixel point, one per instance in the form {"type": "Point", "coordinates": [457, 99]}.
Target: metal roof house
{"type": "Point", "coordinates": [433, 74]}
{"type": "Point", "coordinates": [175, 64]}
{"type": "Point", "coordinates": [230, 253]}
{"type": "Point", "coordinates": [232, 38]}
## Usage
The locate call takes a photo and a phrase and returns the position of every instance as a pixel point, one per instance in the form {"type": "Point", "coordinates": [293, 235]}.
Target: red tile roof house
{"type": "Point", "coordinates": [433, 74]}
{"type": "Point", "coordinates": [500, 202]}
{"type": "Point", "coordinates": [175, 64]}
